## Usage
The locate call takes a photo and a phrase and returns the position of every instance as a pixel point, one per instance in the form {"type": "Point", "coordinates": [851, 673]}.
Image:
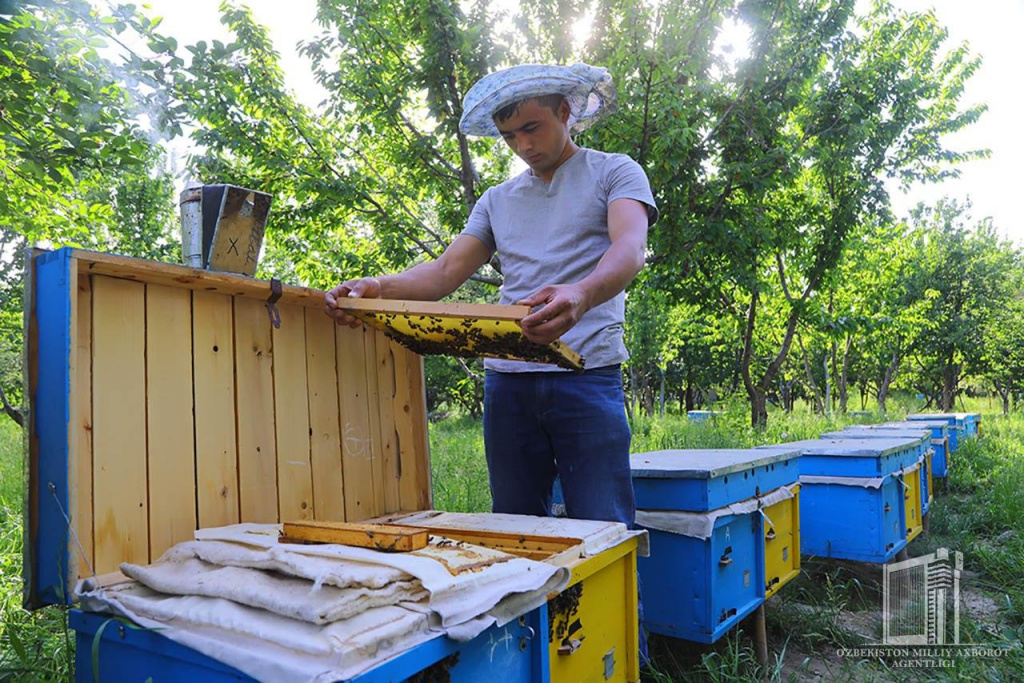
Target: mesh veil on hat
{"type": "Point", "coordinates": [588, 89]}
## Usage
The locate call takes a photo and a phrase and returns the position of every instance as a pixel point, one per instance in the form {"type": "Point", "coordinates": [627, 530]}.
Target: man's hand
{"type": "Point", "coordinates": [563, 306]}
{"type": "Point", "coordinates": [367, 287]}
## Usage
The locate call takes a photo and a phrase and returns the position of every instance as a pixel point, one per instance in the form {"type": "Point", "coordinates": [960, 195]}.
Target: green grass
{"type": "Point", "coordinates": [34, 646]}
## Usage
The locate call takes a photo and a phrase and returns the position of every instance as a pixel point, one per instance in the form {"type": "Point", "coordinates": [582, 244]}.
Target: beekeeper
{"type": "Point", "coordinates": [570, 233]}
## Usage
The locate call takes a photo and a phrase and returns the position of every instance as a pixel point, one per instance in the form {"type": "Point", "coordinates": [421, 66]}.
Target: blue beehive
{"type": "Point", "coordinates": [852, 501]}
{"type": "Point", "coordinates": [940, 429]}
{"type": "Point", "coordinates": [876, 432]}
{"type": "Point", "coordinates": [965, 423]}
{"type": "Point", "coordinates": [128, 653]}
{"type": "Point", "coordinates": [852, 457]}
{"type": "Point", "coordinates": [705, 586]}
{"type": "Point", "coordinates": [699, 480]}
{"type": "Point", "coordinates": [699, 415]}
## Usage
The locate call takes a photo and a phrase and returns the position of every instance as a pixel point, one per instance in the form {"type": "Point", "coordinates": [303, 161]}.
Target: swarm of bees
{"type": "Point", "coordinates": [468, 337]}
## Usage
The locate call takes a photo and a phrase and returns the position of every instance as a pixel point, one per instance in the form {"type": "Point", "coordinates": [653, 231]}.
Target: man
{"type": "Point", "coordinates": [571, 235]}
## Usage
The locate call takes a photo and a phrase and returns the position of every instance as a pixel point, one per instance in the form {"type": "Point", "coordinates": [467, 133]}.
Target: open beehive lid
{"type": "Point", "coordinates": [704, 463]}
{"type": "Point", "coordinates": [458, 329]}
{"type": "Point", "coordinates": [163, 399]}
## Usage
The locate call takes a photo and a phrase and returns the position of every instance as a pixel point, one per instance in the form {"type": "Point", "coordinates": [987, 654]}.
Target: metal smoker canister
{"type": "Point", "coordinates": [222, 227]}
{"type": "Point", "coordinates": [190, 200]}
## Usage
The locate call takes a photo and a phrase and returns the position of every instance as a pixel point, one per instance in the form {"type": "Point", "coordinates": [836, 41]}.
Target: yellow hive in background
{"type": "Point", "coordinates": [912, 505]}
{"type": "Point", "coordinates": [781, 542]}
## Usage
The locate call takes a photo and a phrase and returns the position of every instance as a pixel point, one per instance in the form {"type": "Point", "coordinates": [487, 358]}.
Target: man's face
{"type": "Point", "coordinates": [537, 134]}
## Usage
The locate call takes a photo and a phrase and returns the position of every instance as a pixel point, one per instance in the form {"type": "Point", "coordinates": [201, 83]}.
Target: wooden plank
{"type": "Point", "coordinates": [356, 438]}
{"type": "Point", "coordinates": [324, 426]}
{"type": "Point", "coordinates": [196, 279]}
{"type": "Point", "coordinates": [291, 406]}
{"type": "Point", "coordinates": [411, 398]}
{"type": "Point", "coordinates": [214, 387]}
{"type": "Point", "coordinates": [80, 424]}
{"type": "Point", "coordinates": [388, 434]}
{"type": "Point", "coordinates": [257, 445]}
{"type": "Point", "coordinates": [437, 308]}
{"type": "Point", "coordinates": [373, 399]}
{"type": "Point", "coordinates": [410, 488]}
{"type": "Point", "coordinates": [119, 423]}
{"type": "Point", "coordinates": [172, 471]}
{"type": "Point", "coordinates": [376, 536]}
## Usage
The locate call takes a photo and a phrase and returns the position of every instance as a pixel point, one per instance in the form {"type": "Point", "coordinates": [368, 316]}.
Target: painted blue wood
{"type": "Point", "coordinates": [940, 428]}
{"type": "Point", "coordinates": [940, 464]}
{"type": "Point", "coordinates": [516, 652]}
{"type": "Point", "coordinates": [853, 457]}
{"type": "Point", "coordinates": [699, 415]}
{"type": "Point", "coordinates": [923, 433]}
{"type": "Point", "coordinates": [699, 480]}
{"type": "Point", "coordinates": [853, 522]}
{"type": "Point", "coordinates": [961, 421]}
{"type": "Point", "coordinates": [47, 560]}
{"type": "Point", "coordinates": [700, 589]}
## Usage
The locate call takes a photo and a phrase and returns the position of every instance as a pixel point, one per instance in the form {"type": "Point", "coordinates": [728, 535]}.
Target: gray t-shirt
{"type": "Point", "coordinates": [555, 233]}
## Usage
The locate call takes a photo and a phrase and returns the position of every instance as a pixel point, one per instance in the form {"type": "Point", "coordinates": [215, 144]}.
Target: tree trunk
{"type": "Point", "coordinates": [688, 397]}
{"type": "Point", "coordinates": [828, 386]}
{"type": "Point", "coordinates": [950, 379]}
{"type": "Point", "coordinates": [844, 372]}
{"type": "Point", "coordinates": [890, 374]}
{"type": "Point", "coordinates": [1004, 394]}
{"type": "Point", "coordinates": [758, 408]}
{"type": "Point", "coordinates": [661, 396]}
{"type": "Point", "coordinates": [812, 385]}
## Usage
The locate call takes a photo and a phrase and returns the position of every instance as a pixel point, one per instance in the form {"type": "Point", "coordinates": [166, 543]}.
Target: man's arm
{"type": "Point", "coordinates": [564, 305]}
{"type": "Point", "coordinates": [428, 281]}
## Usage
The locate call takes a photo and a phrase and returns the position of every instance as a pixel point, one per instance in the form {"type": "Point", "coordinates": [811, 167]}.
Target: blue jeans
{"type": "Point", "coordinates": [541, 424]}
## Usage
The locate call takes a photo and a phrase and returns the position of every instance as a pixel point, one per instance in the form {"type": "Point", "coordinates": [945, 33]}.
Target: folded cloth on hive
{"type": "Point", "coordinates": [702, 524]}
{"type": "Point", "coordinates": [263, 645]}
{"type": "Point", "coordinates": [462, 591]}
{"type": "Point", "coordinates": [277, 593]}
{"type": "Point", "coordinates": [588, 89]}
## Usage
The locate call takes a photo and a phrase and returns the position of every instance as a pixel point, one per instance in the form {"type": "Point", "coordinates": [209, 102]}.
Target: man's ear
{"type": "Point", "coordinates": [564, 111]}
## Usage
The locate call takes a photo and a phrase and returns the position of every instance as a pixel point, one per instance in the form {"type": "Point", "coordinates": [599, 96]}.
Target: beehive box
{"type": "Point", "coordinates": [698, 480]}
{"type": "Point", "coordinates": [913, 498]}
{"type": "Point", "coordinates": [965, 423]}
{"type": "Point", "coordinates": [702, 586]}
{"type": "Point", "coordinates": [940, 429]}
{"type": "Point", "coordinates": [844, 520]}
{"type": "Point", "coordinates": [163, 400]}
{"type": "Point", "coordinates": [781, 542]}
{"type": "Point", "coordinates": [852, 457]}
{"type": "Point", "coordinates": [699, 589]}
{"type": "Point", "coordinates": [591, 629]}
{"type": "Point", "coordinates": [874, 432]}
{"type": "Point", "coordinates": [131, 654]}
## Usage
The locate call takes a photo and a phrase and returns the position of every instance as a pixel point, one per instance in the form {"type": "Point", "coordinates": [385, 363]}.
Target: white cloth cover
{"type": "Point", "coordinates": [702, 524]}
{"type": "Point", "coordinates": [280, 624]}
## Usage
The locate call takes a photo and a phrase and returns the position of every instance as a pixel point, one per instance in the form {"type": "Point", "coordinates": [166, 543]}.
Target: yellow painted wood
{"type": "Point", "coordinates": [257, 441]}
{"type": "Point", "coordinates": [912, 502]}
{"type": "Point", "coordinates": [411, 426]}
{"type": "Point", "coordinates": [171, 456]}
{"type": "Point", "coordinates": [386, 537]}
{"type": "Point", "coordinates": [602, 598]}
{"type": "Point", "coordinates": [119, 423]}
{"type": "Point", "coordinates": [782, 543]}
{"type": "Point", "coordinates": [291, 406]}
{"type": "Point", "coordinates": [325, 429]}
{"type": "Point", "coordinates": [356, 438]}
{"type": "Point", "coordinates": [373, 399]}
{"type": "Point", "coordinates": [385, 363]}
{"type": "Point", "coordinates": [80, 425]}
{"type": "Point", "coordinates": [214, 381]}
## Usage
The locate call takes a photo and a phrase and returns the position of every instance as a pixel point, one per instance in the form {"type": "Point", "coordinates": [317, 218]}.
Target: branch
{"type": "Point", "coordinates": [14, 413]}
{"type": "Point", "coordinates": [782, 276]}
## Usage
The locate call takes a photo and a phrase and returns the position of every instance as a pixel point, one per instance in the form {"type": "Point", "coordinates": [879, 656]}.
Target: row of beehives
{"type": "Point", "coordinates": [728, 527]}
